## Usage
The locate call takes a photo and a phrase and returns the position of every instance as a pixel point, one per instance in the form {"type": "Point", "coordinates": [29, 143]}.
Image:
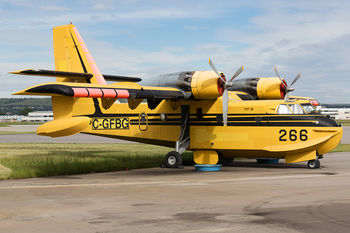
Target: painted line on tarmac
{"type": "Point", "coordinates": [179, 182]}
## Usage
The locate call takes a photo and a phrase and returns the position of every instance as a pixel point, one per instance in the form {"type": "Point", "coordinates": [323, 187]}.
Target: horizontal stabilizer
{"type": "Point", "coordinates": [118, 78]}
{"type": "Point", "coordinates": [54, 73]}
{"type": "Point", "coordinates": [74, 75]}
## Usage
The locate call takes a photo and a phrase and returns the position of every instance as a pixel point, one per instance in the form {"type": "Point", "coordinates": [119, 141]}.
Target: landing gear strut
{"type": "Point", "coordinates": [174, 159]}
{"type": "Point", "coordinates": [314, 164]}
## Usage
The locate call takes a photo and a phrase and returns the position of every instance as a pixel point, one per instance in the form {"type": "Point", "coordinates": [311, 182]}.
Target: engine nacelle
{"type": "Point", "coordinates": [260, 88]}
{"type": "Point", "coordinates": [206, 85]}
{"type": "Point", "coordinates": [270, 88]}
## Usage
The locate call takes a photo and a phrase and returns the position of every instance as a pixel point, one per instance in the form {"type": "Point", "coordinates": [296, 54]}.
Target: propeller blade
{"type": "Point", "coordinates": [225, 106]}
{"type": "Point", "coordinates": [286, 98]}
{"type": "Point", "coordinates": [237, 73]}
{"type": "Point", "coordinates": [278, 75]}
{"type": "Point", "coordinates": [213, 67]}
{"type": "Point", "coordinates": [216, 71]}
{"type": "Point", "coordinates": [295, 79]}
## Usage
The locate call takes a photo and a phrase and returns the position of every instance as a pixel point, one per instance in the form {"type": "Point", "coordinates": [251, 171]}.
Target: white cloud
{"type": "Point", "coordinates": [55, 8]}
{"type": "Point", "coordinates": [102, 7]}
{"type": "Point", "coordinates": [191, 28]}
{"type": "Point", "coordinates": [310, 37]}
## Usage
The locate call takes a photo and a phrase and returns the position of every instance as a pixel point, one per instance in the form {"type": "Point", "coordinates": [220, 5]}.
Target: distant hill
{"type": "Point", "coordinates": [14, 105]}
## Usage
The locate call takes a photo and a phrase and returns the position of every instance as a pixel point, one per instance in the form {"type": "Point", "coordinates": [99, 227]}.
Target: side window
{"type": "Point", "coordinates": [284, 109]}
{"type": "Point", "coordinates": [296, 109]}
{"type": "Point", "coordinates": [309, 108]}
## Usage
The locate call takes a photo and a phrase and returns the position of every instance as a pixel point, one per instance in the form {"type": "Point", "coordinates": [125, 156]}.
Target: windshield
{"type": "Point", "coordinates": [296, 108]}
{"type": "Point", "coordinates": [309, 108]}
{"type": "Point", "coordinates": [283, 109]}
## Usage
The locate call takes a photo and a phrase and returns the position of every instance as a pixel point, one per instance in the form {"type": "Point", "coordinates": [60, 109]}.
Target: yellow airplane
{"type": "Point", "coordinates": [200, 111]}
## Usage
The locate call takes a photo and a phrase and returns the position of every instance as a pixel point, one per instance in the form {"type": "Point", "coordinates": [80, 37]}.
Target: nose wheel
{"type": "Point", "coordinates": [314, 164]}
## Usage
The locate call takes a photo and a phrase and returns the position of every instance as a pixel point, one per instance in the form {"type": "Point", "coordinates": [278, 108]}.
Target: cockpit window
{"type": "Point", "coordinates": [290, 109]}
{"type": "Point", "coordinates": [284, 109]}
{"type": "Point", "coordinates": [296, 108]}
{"type": "Point", "coordinates": [309, 108]}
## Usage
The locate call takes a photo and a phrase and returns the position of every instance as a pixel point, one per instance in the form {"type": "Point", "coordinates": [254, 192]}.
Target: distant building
{"type": "Point", "coordinates": [38, 116]}
{"type": "Point", "coordinates": [335, 113]}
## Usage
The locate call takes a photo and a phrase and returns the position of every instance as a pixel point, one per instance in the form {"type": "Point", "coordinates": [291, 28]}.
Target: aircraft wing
{"type": "Point", "coordinates": [110, 92]}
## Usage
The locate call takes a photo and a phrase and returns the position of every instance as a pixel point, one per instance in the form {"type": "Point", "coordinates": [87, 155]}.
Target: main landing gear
{"type": "Point", "coordinates": [174, 159]}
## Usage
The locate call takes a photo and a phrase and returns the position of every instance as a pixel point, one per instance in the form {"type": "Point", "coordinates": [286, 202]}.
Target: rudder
{"type": "Point", "coordinates": [71, 54]}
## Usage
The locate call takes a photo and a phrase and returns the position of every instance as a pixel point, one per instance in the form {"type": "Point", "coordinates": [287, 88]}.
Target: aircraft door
{"type": "Point", "coordinates": [143, 121]}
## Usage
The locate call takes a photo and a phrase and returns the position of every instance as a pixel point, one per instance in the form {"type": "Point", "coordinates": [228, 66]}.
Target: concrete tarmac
{"type": "Point", "coordinates": [33, 138]}
{"type": "Point", "coordinates": [242, 197]}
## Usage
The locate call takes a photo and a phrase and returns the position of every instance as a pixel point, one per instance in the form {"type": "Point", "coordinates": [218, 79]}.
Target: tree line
{"type": "Point", "coordinates": [22, 106]}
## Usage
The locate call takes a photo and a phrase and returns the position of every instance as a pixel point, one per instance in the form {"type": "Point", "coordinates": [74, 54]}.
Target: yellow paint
{"type": "Point", "coordinates": [205, 157]}
{"type": "Point", "coordinates": [63, 127]}
{"type": "Point", "coordinates": [301, 157]}
{"type": "Point", "coordinates": [62, 66]}
{"type": "Point", "coordinates": [204, 85]}
{"type": "Point", "coordinates": [107, 102]}
{"type": "Point", "coordinates": [269, 88]}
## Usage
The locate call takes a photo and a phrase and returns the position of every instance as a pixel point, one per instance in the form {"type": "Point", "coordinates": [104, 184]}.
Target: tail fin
{"type": "Point", "coordinates": [71, 54]}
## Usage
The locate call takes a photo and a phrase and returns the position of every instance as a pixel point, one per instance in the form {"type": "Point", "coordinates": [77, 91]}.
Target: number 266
{"type": "Point", "coordinates": [293, 135]}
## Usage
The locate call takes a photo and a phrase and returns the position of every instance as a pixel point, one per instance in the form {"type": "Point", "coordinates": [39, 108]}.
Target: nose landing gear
{"type": "Point", "coordinates": [314, 164]}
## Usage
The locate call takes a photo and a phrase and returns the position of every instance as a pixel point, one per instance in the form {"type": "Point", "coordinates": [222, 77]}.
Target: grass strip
{"type": "Point", "coordinates": [6, 124]}
{"type": "Point", "coordinates": [344, 122]}
{"type": "Point", "coordinates": [16, 132]}
{"type": "Point", "coordinates": [341, 148]}
{"type": "Point", "coordinates": [33, 160]}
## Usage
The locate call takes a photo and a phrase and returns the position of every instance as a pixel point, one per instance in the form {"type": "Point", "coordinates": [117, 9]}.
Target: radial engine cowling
{"type": "Point", "coordinates": [270, 88]}
{"type": "Point", "coordinates": [260, 88]}
{"type": "Point", "coordinates": [206, 85]}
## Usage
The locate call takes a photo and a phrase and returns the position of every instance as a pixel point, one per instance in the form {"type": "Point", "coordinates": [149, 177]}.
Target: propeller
{"type": "Point", "coordinates": [225, 85]}
{"type": "Point", "coordinates": [289, 88]}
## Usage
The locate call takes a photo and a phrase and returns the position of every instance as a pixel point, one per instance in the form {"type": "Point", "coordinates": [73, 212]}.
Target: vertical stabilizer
{"type": "Point", "coordinates": [71, 54]}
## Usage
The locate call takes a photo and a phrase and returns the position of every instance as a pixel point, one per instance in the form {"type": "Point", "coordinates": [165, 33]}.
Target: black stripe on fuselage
{"type": "Point", "coordinates": [234, 120]}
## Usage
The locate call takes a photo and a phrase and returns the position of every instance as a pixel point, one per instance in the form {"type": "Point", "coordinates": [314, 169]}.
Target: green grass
{"type": "Point", "coordinates": [16, 132]}
{"type": "Point", "coordinates": [44, 159]}
{"type": "Point", "coordinates": [6, 124]}
{"type": "Point", "coordinates": [341, 148]}
{"type": "Point", "coordinates": [344, 122]}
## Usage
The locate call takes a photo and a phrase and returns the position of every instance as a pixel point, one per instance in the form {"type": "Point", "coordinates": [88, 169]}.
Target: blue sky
{"type": "Point", "coordinates": [149, 38]}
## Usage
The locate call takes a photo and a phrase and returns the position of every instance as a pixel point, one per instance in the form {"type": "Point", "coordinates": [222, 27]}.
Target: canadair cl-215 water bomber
{"type": "Point", "coordinates": [202, 111]}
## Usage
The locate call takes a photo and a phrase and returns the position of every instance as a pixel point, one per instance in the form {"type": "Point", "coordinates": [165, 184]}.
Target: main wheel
{"type": "Point", "coordinates": [314, 164]}
{"type": "Point", "coordinates": [173, 159]}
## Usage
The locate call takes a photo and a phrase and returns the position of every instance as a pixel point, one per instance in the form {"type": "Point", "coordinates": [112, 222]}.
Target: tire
{"type": "Point", "coordinates": [225, 160]}
{"type": "Point", "coordinates": [173, 159]}
{"type": "Point", "coordinates": [314, 164]}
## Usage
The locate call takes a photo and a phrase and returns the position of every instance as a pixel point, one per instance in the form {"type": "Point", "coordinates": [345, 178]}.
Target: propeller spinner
{"type": "Point", "coordinates": [289, 88]}
{"type": "Point", "coordinates": [225, 85]}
